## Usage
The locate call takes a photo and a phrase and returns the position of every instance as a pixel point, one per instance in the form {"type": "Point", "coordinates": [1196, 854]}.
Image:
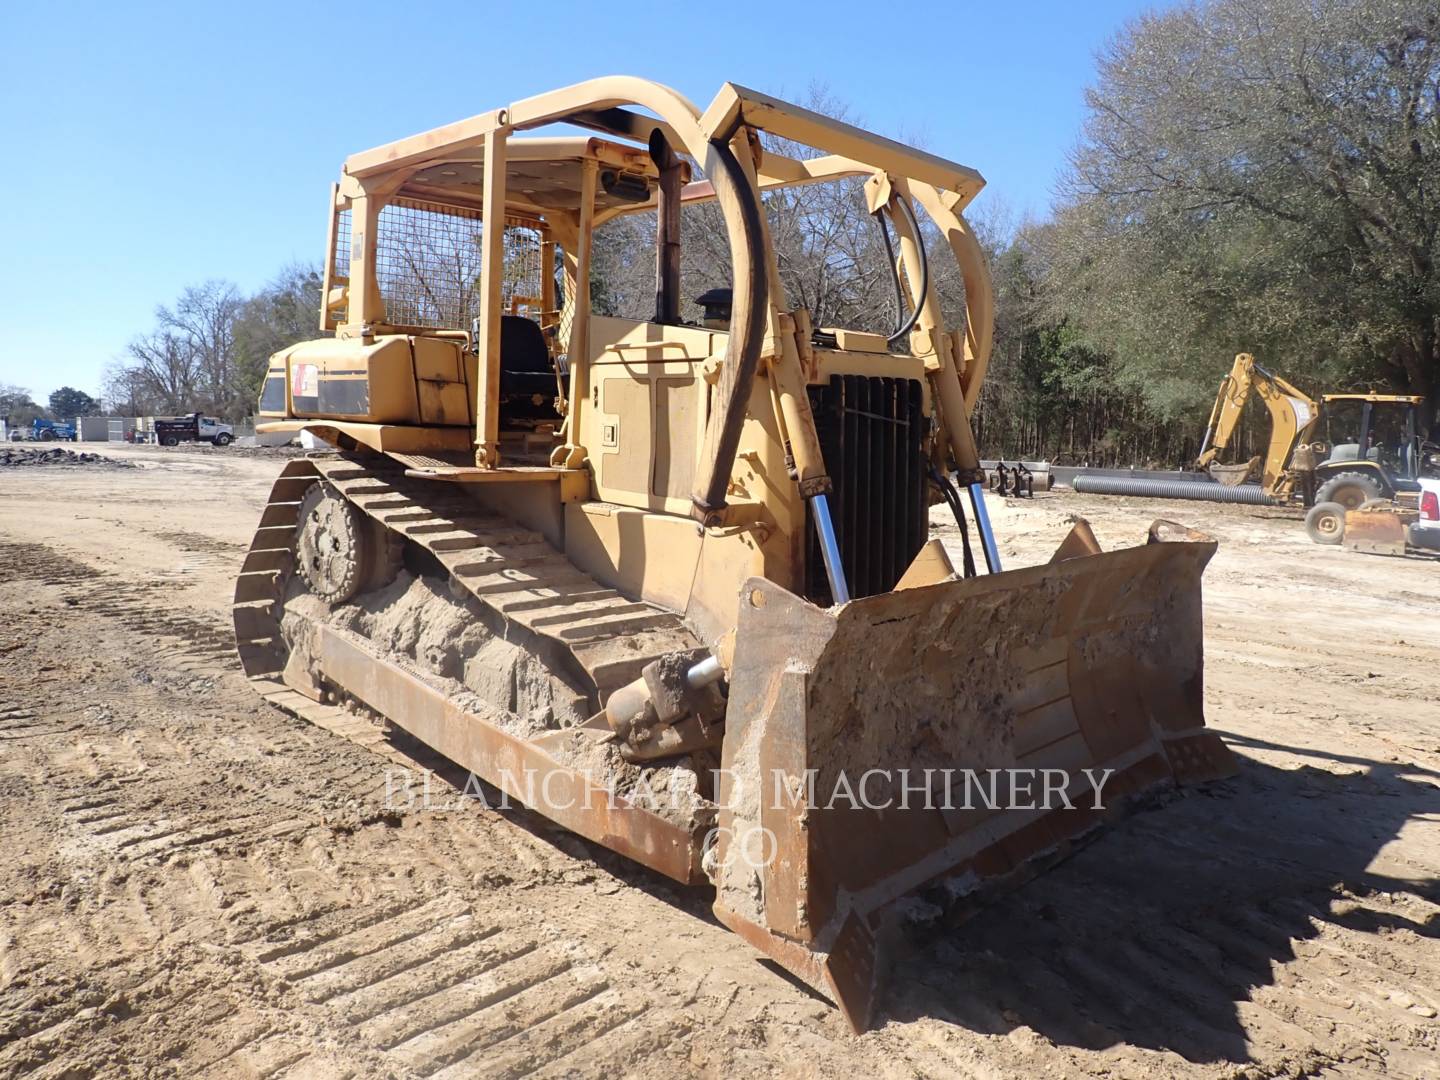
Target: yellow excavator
{"type": "Point", "coordinates": [1354, 460]}
{"type": "Point", "coordinates": [1293, 414]}
{"type": "Point", "coordinates": [1345, 448]}
{"type": "Point", "coordinates": [669, 580]}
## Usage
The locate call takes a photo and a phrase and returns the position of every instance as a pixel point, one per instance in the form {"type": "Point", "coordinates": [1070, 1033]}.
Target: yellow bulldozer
{"type": "Point", "coordinates": [670, 582]}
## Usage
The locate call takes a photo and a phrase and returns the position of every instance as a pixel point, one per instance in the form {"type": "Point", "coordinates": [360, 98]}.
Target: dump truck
{"type": "Point", "coordinates": [669, 580]}
{"type": "Point", "coordinates": [192, 427]}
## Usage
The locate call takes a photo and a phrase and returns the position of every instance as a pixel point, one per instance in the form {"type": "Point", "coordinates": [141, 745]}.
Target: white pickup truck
{"type": "Point", "coordinates": [1425, 532]}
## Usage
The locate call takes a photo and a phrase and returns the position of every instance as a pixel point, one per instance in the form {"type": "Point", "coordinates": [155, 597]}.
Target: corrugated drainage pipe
{"type": "Point", "coordinates": [1202, 491]}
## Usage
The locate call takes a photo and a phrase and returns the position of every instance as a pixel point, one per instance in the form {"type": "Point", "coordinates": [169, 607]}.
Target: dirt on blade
{"type": "Point", "coordinates": [196, 883]}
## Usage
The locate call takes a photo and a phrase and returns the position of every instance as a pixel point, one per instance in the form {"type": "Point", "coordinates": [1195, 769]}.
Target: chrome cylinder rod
{"type": "Point", "coordinates": [702, 674]}
{"type": "Point", "coordinates": [820, 510]}
{"type": "Point", "coordinates": [987, 534]}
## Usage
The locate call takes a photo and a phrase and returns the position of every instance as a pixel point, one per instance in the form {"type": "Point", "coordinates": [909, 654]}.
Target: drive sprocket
{"type": "Point", "coordinates": [336, 552]}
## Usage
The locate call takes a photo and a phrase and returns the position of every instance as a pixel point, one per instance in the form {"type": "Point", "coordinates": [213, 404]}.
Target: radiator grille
{"type": "Point", "coordinates": [870, 431]}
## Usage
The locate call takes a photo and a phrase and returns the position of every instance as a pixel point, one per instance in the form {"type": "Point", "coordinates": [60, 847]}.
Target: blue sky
{"type": "Point", "coordinates": [151, 145]}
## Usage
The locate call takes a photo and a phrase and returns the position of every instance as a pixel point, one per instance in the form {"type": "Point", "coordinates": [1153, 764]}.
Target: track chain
{"type": "Point", "coordinates": [509, 569]}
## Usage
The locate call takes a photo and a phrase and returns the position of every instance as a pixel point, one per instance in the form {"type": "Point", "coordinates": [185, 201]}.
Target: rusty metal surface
{"type": "Point", "coordinates": [1235, 475]}
{"type": "Point", "coordinates": [845, 972]}
{"type": "Point", "coordinates": [508, 569]}
{"type": "Point", "coordinates": [1094, 662]}
{"type": "Point", "coordinates": [519, 767]}
{"type": "Point", "coordinates": [473, 741]}
{"type": "Point", "coordinates": [1379, 531]}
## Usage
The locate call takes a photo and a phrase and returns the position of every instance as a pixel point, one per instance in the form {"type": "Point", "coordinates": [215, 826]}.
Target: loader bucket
{"type": "Point", "coordinates": [1378, 530]}
{"type": "Point", "coordinates": [930, 739]}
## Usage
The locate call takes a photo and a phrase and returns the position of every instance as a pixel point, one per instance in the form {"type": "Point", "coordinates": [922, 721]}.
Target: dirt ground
{"type": "Point", "coordinates": [193, 883]}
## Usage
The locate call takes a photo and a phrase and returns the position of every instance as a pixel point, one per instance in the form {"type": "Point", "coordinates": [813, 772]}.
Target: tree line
{"type": "Point", "coordinates": [19, 409]}
{"type": "Point", "coordinates": [1253, 176]}
{"type": "Point", "coordinates": [208, 351]}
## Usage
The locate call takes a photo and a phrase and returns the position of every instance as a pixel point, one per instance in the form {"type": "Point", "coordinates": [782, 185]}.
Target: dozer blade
{"type": "Point", "coordinates": [1377, 531]}
{"type": "Point", "coordinates": [915, 739]}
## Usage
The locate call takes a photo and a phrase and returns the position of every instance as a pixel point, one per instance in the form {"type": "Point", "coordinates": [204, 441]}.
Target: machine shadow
{"type": "Point", "coordinates": [1152, 935]}
{"type": "Point", "coordinates": [1156, 933]}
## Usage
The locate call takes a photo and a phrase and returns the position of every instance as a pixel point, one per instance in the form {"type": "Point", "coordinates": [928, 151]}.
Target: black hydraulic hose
{"type": "Point", "coordinates": [890, 262]}
{"type": "Point", "coordinates": [924, 257]}
{"type": "Point", "coordinates": [1200, 491]}
{"type": "Point", "coordinates": [941, 481]}
{"type": "Point", "coordinates": [747, 336]}
{"type": "Point", "coordinates": [908, 324]}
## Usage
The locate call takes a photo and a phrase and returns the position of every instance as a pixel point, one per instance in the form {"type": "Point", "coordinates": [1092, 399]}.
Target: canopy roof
{"type": "Point", "coordinates": [540, 173]}
{"type": "Point", "coordinates": [546, 171]}
{"type": "Point", "coordinates": [1405, 399]}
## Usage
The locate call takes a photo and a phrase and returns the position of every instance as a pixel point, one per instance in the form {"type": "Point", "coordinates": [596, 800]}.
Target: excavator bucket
{"type": "Point", "coordinates": [947, 738]}
{"type": "Point", "coordinates": [1235, 475]}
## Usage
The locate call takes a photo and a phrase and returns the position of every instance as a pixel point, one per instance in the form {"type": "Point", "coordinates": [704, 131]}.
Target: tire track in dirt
{"type": "Point", "coordinates": [1230, 933]}
{"type": "Point", "coordinates": [1220, 945]}
{"type": "Point", "coordinates": [143, 607]}
{"type": "Point", "coordinates": [434, 985]}
{"type": "Point", "coordinates": [157, 858]}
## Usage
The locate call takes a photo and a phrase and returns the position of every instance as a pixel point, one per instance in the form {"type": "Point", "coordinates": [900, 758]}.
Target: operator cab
{"type": "Point", "coordinates": [1375, 449]}
{"type": "Point", "coordinates": [483, 336]}
{"type": "Point", "coordinates": [1376, 430]}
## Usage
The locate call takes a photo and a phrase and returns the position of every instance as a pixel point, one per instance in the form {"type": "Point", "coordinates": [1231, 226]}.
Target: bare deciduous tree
{"type": "Point", "coordinates": [829, 251]}
{"type": "Point", "coordinates": [17, 407]}
{"type": "Point", "coordinates": [286, 311]}
{"type": "Point", "coordinates": [202, 324]}
{"type": "Point", "coordinates": [161, 373]}
{"type": "Point", "coordinates": [208, 352]}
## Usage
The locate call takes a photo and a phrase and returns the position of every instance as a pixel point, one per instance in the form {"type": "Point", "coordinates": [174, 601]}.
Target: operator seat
{"type": "Point", "coordinates": [1347, 451]}
{"type": "Point", "coordinates": [527, 375]}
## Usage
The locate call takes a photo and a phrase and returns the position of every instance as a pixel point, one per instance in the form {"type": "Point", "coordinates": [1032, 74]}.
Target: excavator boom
{"type": "Point", "coordinates": [1293, 415]}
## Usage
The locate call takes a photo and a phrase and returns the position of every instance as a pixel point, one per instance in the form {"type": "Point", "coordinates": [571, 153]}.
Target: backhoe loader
{"type": "Point", "coordinates": [1344, 448]}
{"type": "Point", "coordinates": [1354, 460]}
{"type": "Point", "coordinates": [669, 582]}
